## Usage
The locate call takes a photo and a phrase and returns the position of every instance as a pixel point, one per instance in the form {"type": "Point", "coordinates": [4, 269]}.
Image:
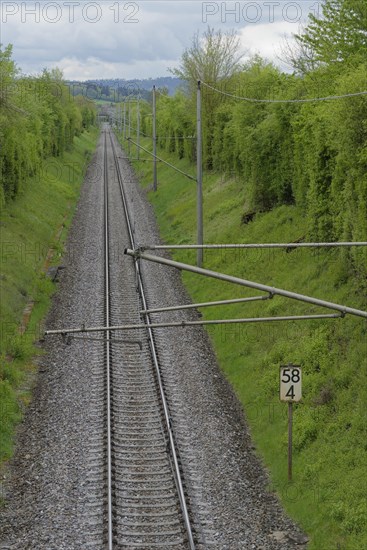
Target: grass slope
{"type": "Point", "coordinates": [328, 493]}
{"type": "Point", "coordinates": [33, 230]}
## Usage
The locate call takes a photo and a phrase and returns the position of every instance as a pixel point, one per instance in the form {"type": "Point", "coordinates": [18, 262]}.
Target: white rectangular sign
{"type": "Point", "coordinates": [290, 383]}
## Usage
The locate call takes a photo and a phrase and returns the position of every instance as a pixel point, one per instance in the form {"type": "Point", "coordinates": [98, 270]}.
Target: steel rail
{"type": "Point", "coordinates": [245, 245]}
{"type": "Point", "coordinates": [243, 282]}
{"type": "Point", "coordinates": [167, 416]}
{"type": "Point", "coordinates": [108, 362]}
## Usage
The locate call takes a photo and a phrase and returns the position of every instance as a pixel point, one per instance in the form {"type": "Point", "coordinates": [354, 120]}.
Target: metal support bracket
{"type": "Point", "coordinates": [246, 283]}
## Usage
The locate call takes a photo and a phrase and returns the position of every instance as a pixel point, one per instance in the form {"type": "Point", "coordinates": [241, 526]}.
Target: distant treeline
{"type": "Point", "coordinates": [38, 118]}
{"type": "Point", "coordinates": [116, 90]}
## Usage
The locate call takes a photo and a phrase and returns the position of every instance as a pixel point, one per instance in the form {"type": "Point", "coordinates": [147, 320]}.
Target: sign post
{"type": "Point", "coordinates": [290, 432]}
{"type": "Point", "coordinates": [291, 392]}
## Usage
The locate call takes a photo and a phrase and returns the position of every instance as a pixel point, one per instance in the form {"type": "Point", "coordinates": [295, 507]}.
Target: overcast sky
{"type": "Point", "coordinates": [138, 39]}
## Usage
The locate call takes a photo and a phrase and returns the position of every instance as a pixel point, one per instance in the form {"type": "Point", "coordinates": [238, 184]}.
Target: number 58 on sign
{"type": "Point", "coordinates": [290, 383]}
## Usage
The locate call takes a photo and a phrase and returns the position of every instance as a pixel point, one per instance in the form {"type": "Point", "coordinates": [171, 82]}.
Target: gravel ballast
{"type": "Point", "coordinates": [54, 490]}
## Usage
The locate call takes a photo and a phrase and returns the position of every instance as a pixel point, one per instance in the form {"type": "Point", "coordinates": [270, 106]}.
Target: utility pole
{"type": "Point", "coordinates": [129, 127]}
{"type": "Point", "coordinates": [125, 118]}
{"type": "Point", "coordinates": [154, 142]}
{"type": "Point", "coordinates": [137, 128]}
{"type": "Point", "coordinates": [199, 178]}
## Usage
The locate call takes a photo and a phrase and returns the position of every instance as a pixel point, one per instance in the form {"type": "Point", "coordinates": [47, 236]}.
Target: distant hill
{"type": "Point", "coordinates": [117, 89]}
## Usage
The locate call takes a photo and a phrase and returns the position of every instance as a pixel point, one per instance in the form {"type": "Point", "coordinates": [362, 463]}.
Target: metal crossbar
{"type": "Point", "coordinates": [272, 291]}
{"type": "Point", "coordinates": [243, 282]}
{"type": "Point", "coordinates": [183, 324]}
{"type": "Point", "coordinates": [247, 245]}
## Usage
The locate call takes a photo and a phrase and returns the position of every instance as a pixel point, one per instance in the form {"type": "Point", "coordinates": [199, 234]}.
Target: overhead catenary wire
{"type": "Point", "coordinates": [162, 137]}
{"type": "Point", "coordinates": [162, 160]}
{"type": "Point", "coordinates": [140, 132]}
{"type": "Point", "coordinates": [176, 137]}
{"type": "Point", "coordinates": [166, 96]}
{"type": "Point", "coordinates": [306, 100]}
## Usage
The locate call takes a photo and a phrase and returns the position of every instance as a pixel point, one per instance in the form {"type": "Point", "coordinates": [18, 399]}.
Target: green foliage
{"type": "Point", "coordinates": [338, 34]}
{"type": "Point", "coordinates": [313, 154]}
{"type": "Point", "coordinates": [175, 123]}
{"type": "Point", "coordinates": [29, 225]}
{"type": "Point", "coordinates": [327, 496]}
{"type": "Point", "coordinates": [211, 57]}
{"type": "Point", "coordinates": [10, 415]}
{"type": "Point", "coordinates": [38, 118]}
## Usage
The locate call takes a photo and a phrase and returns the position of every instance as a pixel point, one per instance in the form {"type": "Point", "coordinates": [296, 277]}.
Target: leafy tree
{"type": "Point", "coordinates": [212, 58]}
{"type": "Point", "coordinates": [339, 34]}
{"type": "Point", "coordinates": [38, 118]}
{"type": "Point", "coordinates": [8, 86]}
{"type": "Point", "coordinates": [299, 56]}
{"type": "Point", "coordinates": [312, 154]}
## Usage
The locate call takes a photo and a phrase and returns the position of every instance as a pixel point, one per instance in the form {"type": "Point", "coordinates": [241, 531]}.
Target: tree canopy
{"type": "Point", "coordinates": [38, 118]}
{"type": "Point", "coordinates": [214, 56]}
{"type": "Point", "coordinates": [339, 34]}
{"type": "Point", "coordinates": [312, 154]}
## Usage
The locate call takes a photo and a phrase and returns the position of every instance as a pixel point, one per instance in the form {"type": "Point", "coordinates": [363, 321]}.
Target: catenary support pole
{"type": "Point", "coordinates": [199, 178]}
{"type": "Point", "coordinates": [129, 127]}
{"type": "Point", "coordinates": [124, 118]}
{"type": "Point", "coordinates": [137, 129]}
{"type": "Point", "coordinates": [154, 141]}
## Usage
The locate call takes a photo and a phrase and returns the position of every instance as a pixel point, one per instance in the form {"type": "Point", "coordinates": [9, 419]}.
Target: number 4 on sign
{"type": "Point", "coordinates": [290, 383]}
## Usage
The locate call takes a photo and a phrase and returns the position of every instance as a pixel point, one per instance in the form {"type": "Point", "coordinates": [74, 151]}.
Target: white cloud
{"type": "Point", "coordinates": [266, 39]}
{"type": "Point", "coordinates": [92, 67]}
{"type": "Point", "coordinates": [114, 42]}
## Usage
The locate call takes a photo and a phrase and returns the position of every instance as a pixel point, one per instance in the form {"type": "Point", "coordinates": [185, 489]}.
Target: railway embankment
{"type": "Point", "coordinates": [56, 497]}
{"type": "Point", "coordinates": [327, 493]}
{"type": "Point", "coordinates": [33, 230]}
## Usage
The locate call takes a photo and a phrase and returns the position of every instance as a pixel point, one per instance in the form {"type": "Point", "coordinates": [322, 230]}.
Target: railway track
{"type": "Point", "coordinates": [146, 505]}
{"type": "Point", "coordinates": [98, 465]}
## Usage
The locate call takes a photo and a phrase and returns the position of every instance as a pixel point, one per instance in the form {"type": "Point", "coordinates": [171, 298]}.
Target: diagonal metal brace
{"type": "Point", "coordinates": [243, 282]}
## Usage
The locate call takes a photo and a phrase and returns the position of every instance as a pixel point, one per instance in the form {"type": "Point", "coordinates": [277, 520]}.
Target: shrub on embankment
{"type": "Point", "coordinates": [38, 118]}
